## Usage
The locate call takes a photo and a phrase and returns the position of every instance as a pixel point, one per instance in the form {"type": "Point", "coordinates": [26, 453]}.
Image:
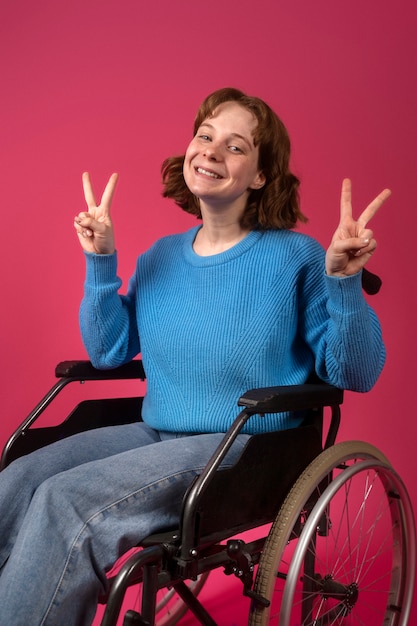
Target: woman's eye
{"type": "Point", "coordinates": [204, 137]}
{"type": "Point", "coordinates": [235, 149]}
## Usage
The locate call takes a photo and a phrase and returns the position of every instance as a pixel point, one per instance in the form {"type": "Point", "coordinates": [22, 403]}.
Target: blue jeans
{"type": "Point", "coordinates": [70, 510]}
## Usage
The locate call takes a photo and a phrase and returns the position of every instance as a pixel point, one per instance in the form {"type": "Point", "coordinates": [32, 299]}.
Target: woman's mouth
{"type": "Point", "coordinates": [202, 170]}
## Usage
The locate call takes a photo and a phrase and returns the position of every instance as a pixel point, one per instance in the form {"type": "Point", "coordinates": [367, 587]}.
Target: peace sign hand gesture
{"type": "Point", "coordinates": [352, 244]}
{"type": "Point", "coordinates": [94, 227]}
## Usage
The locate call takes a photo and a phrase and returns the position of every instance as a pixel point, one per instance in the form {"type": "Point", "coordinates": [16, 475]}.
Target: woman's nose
{"type": "Point", "coordinates": [212, 151]}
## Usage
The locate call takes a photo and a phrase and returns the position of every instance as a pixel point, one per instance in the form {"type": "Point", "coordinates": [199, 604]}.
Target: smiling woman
{"type": "Point", "coordinates": [256, 132]}
{"type": "Point", "coordinates": [221, 168]}
{"type": "Point", "coordinates": [240, 302]}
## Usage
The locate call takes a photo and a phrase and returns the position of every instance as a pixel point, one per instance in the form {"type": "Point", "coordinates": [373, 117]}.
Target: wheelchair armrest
{"type": "Point", "coordinates": [291, 398]}
{"type": "Point", "coordinates": [255, 401]}
{"type": "Point", "coordinates": [84, 370]}
{"type": "Point", "coordinates": [69, 372]}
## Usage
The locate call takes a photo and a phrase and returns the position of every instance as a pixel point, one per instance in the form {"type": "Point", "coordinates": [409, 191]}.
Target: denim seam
{"type": "Point", "coordinates": [96, 514]}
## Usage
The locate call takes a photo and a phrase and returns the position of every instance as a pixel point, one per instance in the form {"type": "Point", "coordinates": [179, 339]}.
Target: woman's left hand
{"type": "Point", "coordinates": [352, 244]}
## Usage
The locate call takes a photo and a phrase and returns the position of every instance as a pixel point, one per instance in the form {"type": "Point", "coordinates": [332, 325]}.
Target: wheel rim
{"type": "Point", "coordinates": [358, 581]}
{"type": "Point", "coordinates": [344, 569]}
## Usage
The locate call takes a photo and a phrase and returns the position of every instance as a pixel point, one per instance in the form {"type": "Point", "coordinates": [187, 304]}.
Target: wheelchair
{"type": "Point", "coordinates": [332, 532]}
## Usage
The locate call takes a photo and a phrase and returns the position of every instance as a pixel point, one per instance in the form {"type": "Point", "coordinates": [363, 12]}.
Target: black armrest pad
{"type": "Point", "coordinates": [291, 398]}
{"type": "Point", "coordinates": [83, 370]}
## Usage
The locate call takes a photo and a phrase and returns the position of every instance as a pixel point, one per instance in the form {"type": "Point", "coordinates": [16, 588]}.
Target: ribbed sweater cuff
{"type": "Point", "coordinates": [345, 293]}
{"type": "Point", "coordinates": [100, 268]}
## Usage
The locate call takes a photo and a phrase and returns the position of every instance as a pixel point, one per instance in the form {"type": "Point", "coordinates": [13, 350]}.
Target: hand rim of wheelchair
{"type": "Point", "coordinates": [365, 457]}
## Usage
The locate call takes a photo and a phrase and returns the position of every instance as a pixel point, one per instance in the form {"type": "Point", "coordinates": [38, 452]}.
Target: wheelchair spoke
{"type": "Point", "coordinates": [354, 570]}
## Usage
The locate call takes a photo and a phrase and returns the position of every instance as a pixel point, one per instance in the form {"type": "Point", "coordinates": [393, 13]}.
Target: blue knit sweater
{"type": "Point", "coordinates": [262, 313]}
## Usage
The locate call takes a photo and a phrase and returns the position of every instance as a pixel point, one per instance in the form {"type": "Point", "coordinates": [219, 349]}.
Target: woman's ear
{"type": "Point", "coordinates": [259, 182]}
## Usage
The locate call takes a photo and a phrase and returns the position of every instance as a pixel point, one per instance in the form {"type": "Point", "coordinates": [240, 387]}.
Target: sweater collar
{"type": "Point", "coordinates": [223, 257]}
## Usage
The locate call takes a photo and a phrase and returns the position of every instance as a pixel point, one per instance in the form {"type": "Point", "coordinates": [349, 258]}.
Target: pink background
{"type": "Point", "coordinates": [108, 85]}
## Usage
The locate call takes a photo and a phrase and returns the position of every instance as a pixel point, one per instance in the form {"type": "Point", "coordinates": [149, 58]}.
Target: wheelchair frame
{"type": "Point", "coordinates": [214, 511]}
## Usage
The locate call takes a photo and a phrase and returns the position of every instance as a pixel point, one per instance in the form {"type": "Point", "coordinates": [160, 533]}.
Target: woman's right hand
{"type": "Point", "coordinates": [94, 226]}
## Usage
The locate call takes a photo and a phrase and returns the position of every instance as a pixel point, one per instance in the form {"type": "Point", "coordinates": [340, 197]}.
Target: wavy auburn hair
{"type": "Point", "coordinates": [276, 204]}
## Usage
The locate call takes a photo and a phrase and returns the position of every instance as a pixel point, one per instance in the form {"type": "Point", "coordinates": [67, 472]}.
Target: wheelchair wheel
{"type": "Point", "coordinates": [354, 558]}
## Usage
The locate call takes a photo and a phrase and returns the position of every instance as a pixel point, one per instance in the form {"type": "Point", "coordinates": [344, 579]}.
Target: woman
{"type": "Point", "coordinates": [240, 301]}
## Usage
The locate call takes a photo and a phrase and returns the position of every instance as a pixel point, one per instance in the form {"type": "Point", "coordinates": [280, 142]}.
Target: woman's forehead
{"type": "Point", "coordinates": [233, 114]}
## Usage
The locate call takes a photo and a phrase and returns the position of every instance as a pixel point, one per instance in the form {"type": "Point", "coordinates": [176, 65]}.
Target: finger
{"type": "Point", "coordinates": [82, 216]}
{"type": "Point", "coordinates": [84, 220]}
{"type": "Point", "coordinates": [81, 230]}
{"type": "Point", "coordinates": [373, 207]}
{"type": "Point", "coordinates": [346, 200]}
{"type": "Point", "coordinates": [88, 191]}
{"type": "Point", "coordinates": [353, 245]}
{"type": "Point", "coordinates": [108, 193]}
{"type": "Point", "coordinates": [364, 248]}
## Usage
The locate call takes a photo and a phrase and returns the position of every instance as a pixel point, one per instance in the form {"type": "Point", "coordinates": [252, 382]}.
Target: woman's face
{"type": "Point", "coordinates": [221, 162]}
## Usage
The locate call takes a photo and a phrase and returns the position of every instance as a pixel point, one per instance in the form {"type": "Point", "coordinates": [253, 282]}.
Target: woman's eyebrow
{"type": "Point", "coordinates": [232, 135]}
